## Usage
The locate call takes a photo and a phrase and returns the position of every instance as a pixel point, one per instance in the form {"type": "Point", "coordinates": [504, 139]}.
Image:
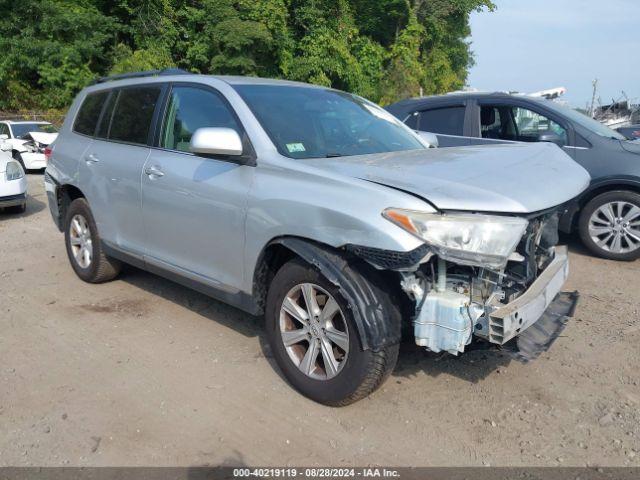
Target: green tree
{"type": "Point", "coordinates": [382, 49]}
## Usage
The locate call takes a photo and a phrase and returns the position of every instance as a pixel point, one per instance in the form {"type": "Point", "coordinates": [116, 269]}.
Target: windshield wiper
{"type": "Point", "coordinates": [333, 155]}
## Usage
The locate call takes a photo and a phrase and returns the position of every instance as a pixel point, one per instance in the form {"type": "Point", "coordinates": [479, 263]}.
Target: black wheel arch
{"type": "Point", "coordinates": [65, 194]}
{"type": "Point", "coordinates": [570, 221]}
{"type": "Point", "coordinates": [375, 329]}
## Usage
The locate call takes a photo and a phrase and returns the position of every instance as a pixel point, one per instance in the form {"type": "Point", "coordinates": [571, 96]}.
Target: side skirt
{"type": "Point", "coordinates": [241, 300]}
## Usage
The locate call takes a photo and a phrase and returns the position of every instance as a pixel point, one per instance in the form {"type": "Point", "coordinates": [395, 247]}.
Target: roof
{"type": "Point", "coordinates": [175, 74]}
{"type": "Point", "coordinates": [450, 98]}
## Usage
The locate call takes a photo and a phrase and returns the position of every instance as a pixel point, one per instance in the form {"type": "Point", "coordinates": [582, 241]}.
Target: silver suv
{"type": "Point", "coordinates": [320, 211]}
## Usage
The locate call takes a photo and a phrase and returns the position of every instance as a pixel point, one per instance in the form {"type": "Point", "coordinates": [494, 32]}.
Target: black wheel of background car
{"type": "Point", "coordinates": [84, 248]}
{"type": "Point", "coordinates": [315, 340]}
{"type": "Point", "coordinates": [17, 157]}
{"type": "Point", "coordinates": [610, 225]}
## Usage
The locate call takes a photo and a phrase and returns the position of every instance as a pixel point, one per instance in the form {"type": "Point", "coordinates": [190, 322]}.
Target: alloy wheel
{"type": "Point", "coordinates": [80, 240]}
{"type": "Point", "coordinates": [314, 331]}
{"type": "Point", "coordinates": [615, 227]}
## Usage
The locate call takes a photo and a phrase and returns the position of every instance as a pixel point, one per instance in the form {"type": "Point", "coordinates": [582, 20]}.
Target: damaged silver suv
{"type": "Point", "coordinates": [319, 210]}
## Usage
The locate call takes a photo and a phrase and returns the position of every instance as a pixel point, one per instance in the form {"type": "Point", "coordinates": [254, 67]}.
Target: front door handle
{"type": "Point", "coordinates": [154, 171]}
{"type": "Point", "coordinates": [91, 158]}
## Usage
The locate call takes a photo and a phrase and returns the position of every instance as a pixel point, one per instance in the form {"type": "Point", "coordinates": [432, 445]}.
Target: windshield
{"type": "Point", "coordinates": [588, 122]}
{"type": "Point", "coordinates": [21, 129]}
{"type": "Point", "coordinates": [308, 122]}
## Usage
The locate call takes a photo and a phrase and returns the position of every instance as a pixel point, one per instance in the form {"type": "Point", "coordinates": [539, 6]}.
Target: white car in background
{"type": "Point", "coordinates": [13, 184]}
{"type": "Point", "coordinates": [28, 141]}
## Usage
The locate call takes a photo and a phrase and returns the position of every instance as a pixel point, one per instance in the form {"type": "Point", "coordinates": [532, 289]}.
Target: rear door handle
{"type": "Point", "coordinates": [91, 158]}
{"type": "Point", "coordinates": [154, 171]}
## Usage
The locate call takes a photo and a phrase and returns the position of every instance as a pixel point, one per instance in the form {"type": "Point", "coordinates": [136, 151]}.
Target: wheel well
{"type": "Point", "coordinates": [66, 195]}
{"type": "Point", "coordinates": [608, 188]}
{"type": "Point", "coordinates": [275, 255]}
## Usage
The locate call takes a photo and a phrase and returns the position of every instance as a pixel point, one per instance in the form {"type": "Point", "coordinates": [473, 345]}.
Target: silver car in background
{"type": "Point", "coordinates": [320, 211]}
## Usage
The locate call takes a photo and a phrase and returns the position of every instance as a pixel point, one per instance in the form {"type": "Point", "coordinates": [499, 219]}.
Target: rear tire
{"type": "Point", "coordinates": [84, 247]}
{"type": "Point", "coordinates": [609, 215]}
{"type": "Point", "coordinates": [360, 372]}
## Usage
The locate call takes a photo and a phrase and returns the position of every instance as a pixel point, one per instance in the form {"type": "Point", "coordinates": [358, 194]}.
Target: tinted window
{"type": "Point", "coordinates": [189, 109]}
{"type": "Point", "coordinates": [309, 122]}
{"type": "Point", "coordinates": [89, 112]}
{"type": "Point", "coordinates": [447, 121]}
{"type": "Point", "coordinates": [412, 121]}
{"type": "Point", "coordinates": [4, 130]}
{"type": "Point", "coordinates": [21, 129]}
{"type": "Point", "coordinates": [105, 122]}
{"type": "Point", "coordinates": [133, 114]}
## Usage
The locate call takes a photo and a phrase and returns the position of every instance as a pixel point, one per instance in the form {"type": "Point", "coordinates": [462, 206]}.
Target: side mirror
{"type": "Point", "coordinates": [4, 136]}
{"type": "Point", "coordinates": [552, 137]}
{"type": "Point", "coordinates": [431, 139]}
{"type": "Point", "coordinates": [216, 141]}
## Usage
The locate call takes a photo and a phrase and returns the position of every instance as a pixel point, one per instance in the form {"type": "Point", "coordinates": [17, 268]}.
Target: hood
{"type": "Point", "coordinates": [509, 178]}
{"type": "Point", "coordinates": [632, 146]}
{"type": "Point", "coordinates": [41, 137]}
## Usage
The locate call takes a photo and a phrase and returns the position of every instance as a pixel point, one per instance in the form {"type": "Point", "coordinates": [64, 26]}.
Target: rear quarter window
{"type": "Point", "coordinates": [89, 113]}
{"type": "Point", "coordinates": [133, 114]}
{"type": "Point", "coordinates": [446, 120]}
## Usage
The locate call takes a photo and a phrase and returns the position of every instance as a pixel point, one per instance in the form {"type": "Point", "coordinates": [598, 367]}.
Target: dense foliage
{"type": "Point", "coordinates": [381, 49]}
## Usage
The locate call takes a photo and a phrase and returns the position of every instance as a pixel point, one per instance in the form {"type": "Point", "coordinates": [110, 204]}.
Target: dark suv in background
{"type": "Point", "coordinates": [607, 215]}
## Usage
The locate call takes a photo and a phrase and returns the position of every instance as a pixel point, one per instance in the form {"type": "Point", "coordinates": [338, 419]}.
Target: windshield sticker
{"type": "Point", "coordinates": [296, 147]}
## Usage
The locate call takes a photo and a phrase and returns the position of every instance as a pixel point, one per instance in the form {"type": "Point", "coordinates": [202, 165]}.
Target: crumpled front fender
{"type": "Point", "coordinates": [376, 329]}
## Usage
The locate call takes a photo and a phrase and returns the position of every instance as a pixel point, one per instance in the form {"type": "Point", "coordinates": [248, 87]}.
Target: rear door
{"type": "Point", "coordinates": [447, 119]}
{"type": "Point", "coordinates": [113, 163]}
{"type": "Point", "coordinates": [194, 207]}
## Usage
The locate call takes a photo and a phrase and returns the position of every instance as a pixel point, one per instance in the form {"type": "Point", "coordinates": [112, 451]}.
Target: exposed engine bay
{"type": "Point", "coordinates": [454, 303]}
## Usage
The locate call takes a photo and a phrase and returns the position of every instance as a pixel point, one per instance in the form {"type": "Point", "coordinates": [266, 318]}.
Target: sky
{"type": "Point", "coordinates": [534, 45]}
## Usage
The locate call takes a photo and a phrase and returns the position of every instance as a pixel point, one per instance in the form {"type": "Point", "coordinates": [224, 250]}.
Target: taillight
{"type": "Point", "coordinates": [47, 153]}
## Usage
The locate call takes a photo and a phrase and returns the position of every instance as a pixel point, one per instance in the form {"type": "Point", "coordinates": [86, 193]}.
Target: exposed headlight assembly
{"type": "Point", "coordinates": [467, 239]}
{"type": "Point", "coordinates": [14, 171]}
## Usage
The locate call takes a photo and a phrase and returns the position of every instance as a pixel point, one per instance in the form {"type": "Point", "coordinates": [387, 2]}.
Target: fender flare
{"type": "Point", "coordinates": [376, 329]}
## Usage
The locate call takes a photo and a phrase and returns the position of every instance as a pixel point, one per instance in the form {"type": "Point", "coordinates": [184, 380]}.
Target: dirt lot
{"type": "Point", "coordinates": [141, 371]}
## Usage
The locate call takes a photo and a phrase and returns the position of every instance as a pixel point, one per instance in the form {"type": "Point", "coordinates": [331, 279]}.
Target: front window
{"type": "Point", "coordinates": [22, 129]}
{"type": "Point", "coordinates": [519, 124]}
{"type": "Point", "coordinates": [309, 122]}
{"type": "Point", "coordinates": [190, 109]}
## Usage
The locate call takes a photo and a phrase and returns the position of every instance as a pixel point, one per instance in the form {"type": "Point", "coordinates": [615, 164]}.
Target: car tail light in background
{"type": "Point", "coordinates": [47, 153]}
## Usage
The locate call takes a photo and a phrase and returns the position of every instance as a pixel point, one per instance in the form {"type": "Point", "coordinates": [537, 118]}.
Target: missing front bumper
{"type": "Point", "coordinates": [537, 339]}
{"type": "Point", "coordinates": [516, 317]}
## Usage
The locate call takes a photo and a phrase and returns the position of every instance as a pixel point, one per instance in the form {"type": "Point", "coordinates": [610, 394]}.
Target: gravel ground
{"type": "Point", "coordinates": [141, 371]}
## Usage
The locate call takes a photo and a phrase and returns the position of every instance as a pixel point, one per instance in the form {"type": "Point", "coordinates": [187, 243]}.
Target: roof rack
{"type": "Point", "coordinates": [145, 73]}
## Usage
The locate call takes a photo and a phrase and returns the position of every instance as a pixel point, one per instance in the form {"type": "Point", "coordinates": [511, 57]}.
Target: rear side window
{"type": "Point", "coordinates": [89, 113]}
{"type": "Point", "coordinates": [447, 121]}
{"type": "Point", "coordinates": [105, 123]}
{"type": "Point", "coordinates": [133, 114]}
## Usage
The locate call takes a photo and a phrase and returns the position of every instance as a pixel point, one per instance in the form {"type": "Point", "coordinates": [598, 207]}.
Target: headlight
{"type": "Point", "coordinates": [468, 239]}
{"type": "Point", "coordinates": [14, 171]}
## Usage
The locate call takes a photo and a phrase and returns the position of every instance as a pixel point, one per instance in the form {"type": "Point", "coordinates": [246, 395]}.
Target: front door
{"type": "Point", "coordinates": [193, 207]}
{"type": "Point", "coordinates": [521, 124]}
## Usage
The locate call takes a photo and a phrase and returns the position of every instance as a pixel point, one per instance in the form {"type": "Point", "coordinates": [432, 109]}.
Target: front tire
{"type": "Point", "coordinates": [84, 247]}
{"type": "Point", "coordinates": [610, 225]}
{"type": "Point", "coordinates": [316, 342]}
